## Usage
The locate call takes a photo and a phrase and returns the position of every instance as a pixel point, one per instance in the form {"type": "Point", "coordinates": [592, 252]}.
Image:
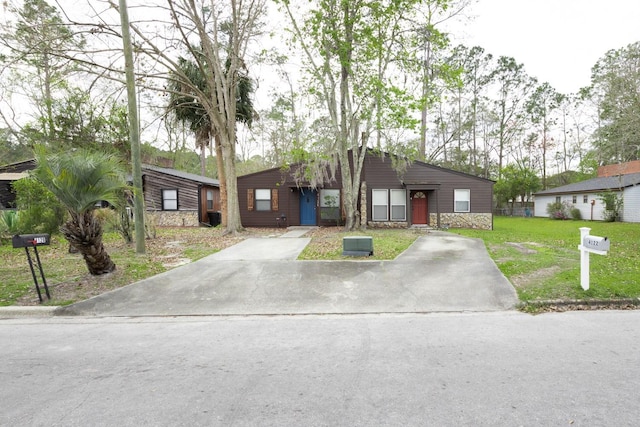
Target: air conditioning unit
{"type": "Point", "coordinates": [357, 246]}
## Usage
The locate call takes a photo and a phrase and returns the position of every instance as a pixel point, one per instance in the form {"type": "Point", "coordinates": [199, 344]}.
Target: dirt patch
{"type": "Point", "coordinates": [524, 280]}
{"type": "Point", "coordinates": [522, 248]}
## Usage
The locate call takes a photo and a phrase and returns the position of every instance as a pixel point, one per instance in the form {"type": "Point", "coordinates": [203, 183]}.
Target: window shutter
{"type": "Point", "coordinates": [274, 199]}
{"type": "Point", "coordinates": [250, 199]}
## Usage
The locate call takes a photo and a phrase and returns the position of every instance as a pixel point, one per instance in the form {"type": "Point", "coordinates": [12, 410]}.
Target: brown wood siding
{"type": "Point", "coordinates": [273, 180]}
{"type": "Point", "coordinates": [379, 174]}
{"type": "Point", "coordinates": [285, 198]}
{"type": "Point", "coordinates": [154, 182]}
{"type": "Point", "coordinates": [7, 195]}
{"type": "Point", "coordinates": [204, 217]}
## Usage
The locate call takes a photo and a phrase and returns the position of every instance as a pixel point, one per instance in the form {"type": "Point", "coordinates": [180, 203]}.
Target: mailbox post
{"type": "Point", "coordinates": [27, 241]}
{"type": "Point", "coordinates": [590, 244]}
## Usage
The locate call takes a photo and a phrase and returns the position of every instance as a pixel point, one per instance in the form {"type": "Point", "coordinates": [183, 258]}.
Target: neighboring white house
{"type": "Point", "coordinates": [585, 196]}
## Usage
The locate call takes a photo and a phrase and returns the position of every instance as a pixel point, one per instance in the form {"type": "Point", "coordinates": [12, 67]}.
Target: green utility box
{"type": "Point", "coordinates": [357, 246]}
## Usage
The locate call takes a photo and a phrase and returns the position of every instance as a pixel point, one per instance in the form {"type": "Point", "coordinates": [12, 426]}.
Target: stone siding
{"type": "Point", "coordinates": [482, 221]}
{"type": "Point", "coordinates": [387, 224]}
{"type": "Point", "coordinates": [176, 218]}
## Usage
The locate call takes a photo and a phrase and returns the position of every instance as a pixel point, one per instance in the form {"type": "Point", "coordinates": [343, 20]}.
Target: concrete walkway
{"type": "Point", "coordinates": [440, 272]}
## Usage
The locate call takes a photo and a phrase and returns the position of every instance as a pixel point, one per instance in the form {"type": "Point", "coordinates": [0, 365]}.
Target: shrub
{"type": "Point", "coordinates": [558, 210]}
{"type": "Point", "coordinates": [40, 210]}
{"type": "Point", "coordinates": [575, 213]}
{"type": "Point", "coordinates": [612, 206]}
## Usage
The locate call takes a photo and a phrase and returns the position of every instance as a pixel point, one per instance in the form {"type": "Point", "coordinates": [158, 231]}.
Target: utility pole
{"type": "Point", "coordinates": [134, 129]}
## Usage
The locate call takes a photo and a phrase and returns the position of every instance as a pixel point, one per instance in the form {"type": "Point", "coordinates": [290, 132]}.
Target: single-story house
{"type": "Point", "coordinates": [423, 194]}
{"type": "Point", "coordinates": [176, 198]}
{"type": "Point", "coordinates": [8, 174]}
{"type": "Point", "coordinates": [180, 198]}
{"type": "Point", "coordinates": [585, 195]}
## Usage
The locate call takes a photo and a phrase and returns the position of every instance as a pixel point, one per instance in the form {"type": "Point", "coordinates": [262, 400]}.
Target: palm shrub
{"type": "Point", "coordinates": [8, 223]}
{"type": "Point", "coordinates": [81, 179]}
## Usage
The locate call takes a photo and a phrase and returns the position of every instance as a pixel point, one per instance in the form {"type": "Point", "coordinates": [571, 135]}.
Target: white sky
{"type": "Point", "coordinates": [558, 41]}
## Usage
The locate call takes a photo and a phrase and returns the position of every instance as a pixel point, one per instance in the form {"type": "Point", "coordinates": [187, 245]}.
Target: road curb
{"type": "Point", "coordinates": [27, 311]}
{"type": "Point", "coordinates": [580, 304]}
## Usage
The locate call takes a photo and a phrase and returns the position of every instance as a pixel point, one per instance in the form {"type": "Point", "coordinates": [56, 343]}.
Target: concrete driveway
{"type": "Point", "coordinates": [440, 272]}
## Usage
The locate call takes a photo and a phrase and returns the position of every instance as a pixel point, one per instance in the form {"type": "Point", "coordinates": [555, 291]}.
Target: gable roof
{"type": "Point", "coordinates": [386, 154]}
{"type": "Point", "coordinates": [596, 184]}
{"type": "Point", "coordinates": [22, 166]}
{"type": "Point", "coordinates": [453, 171]}
{"type": "Point", "coordinates": [180, 174]}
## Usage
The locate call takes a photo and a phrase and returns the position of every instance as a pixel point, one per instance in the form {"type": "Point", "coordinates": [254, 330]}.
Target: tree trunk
{"type": "Point", "coordinates": [84, 233]}
{"type": "Point", "coordinates": [203, 136]}
{"type": "Point", "coordinates": [222, 178]}
{"type": "Point", "coordinates": [234, 222]}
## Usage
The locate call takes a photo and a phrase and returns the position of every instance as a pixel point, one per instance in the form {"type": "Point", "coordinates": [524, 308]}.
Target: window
{"type": "Point", "coordinates": [209, 200]}
{"type": "Point", "coordinates": [330, 204]}
{"type": "Point", "coordinates": [461, 200]}
{"type": "Point", "coordinates": [380, 206]}
{"type": "Point", "coordinates": [585, 199]}
{"type": "Point", "coordinates": [263, 200]}
{"type": "Point", "coordinates": [558, 200]}
{"type": "Point", "coordinates": [574, 199]}
{"type": "Point", "coordinates": [398, 205]}
{"type": "Point", "coordinates": [170, 200]}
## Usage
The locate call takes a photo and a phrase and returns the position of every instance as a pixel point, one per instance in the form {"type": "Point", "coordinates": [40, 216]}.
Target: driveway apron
{"type": "Point", "coordinates": [439, 272]}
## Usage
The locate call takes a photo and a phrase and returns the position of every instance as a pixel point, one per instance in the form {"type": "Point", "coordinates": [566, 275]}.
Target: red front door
{"type": "Point", "coordinates": [419, 208]}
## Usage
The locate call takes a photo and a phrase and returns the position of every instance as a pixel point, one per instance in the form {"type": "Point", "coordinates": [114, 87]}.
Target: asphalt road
{"type": "Point", "coordinates": [500, 368]}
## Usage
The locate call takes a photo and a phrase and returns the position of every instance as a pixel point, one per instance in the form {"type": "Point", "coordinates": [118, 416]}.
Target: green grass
{"type": "Point", "coordinates": [540, 257]}
{"type": "Point", "coordinates": [387, 244]}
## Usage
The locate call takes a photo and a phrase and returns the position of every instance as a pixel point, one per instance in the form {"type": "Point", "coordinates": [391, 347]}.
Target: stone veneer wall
{"type": "Point", "coordinates": [176, 218]}
{"type": "Point", "coordinates": [387, 224]}
{"type": "Point", "coordinates": [483, 221]}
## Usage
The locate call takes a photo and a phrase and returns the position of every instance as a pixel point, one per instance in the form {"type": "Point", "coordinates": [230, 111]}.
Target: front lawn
{"type": "Point", "coordinates": [541, 259]}
{"type": "Point", "coordinates": [326, 243]}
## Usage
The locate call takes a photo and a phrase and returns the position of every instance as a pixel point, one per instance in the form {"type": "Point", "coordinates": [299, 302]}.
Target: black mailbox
{"type": "Point", "coordinates": [27, 241]}
{"type": "Point", "coordinates": [30, 240]}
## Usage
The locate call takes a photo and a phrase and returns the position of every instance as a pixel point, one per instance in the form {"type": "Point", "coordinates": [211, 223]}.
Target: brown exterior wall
{"type": "Point", "coordinates": [153, 182]}
{"type": "Point", "coordinates": [619, 169]}
{"type": "Point", "coordinates": [437, 183]}
{"type": "Point", "coordinates": [288, 195]}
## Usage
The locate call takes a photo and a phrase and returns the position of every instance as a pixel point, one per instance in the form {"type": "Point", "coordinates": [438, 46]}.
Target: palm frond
{"type": "Point", "coordinates": [80, 179]}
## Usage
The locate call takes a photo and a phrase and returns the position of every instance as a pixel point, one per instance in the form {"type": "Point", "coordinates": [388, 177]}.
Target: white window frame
{"type": "Point", "coordinates": [210, 201]}
{"type": "Point", "coordinates": [377, 197]}
{"type": "Point", "coordinates": [169, 200]}
{"type": "Point", "coordinates": [263, 199]}
{"type": "Point", "coordinates": [398, 198]}
{"type": "Point", "coordinates": [461, 195]}
{"type": "Point", "coordinates": [326, 206]}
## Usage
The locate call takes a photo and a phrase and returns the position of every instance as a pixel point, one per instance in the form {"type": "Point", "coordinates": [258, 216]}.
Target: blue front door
{"type": "Point", "coordinates": [308, 206]}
